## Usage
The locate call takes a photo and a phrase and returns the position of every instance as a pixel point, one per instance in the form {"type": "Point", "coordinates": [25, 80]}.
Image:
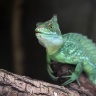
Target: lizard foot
{"type": "Point", "coordinates": [50, 69]}
{"type": "Point", "coordinates": [50, 72]}
{"type": "Point", "coordinates": [72, 77]}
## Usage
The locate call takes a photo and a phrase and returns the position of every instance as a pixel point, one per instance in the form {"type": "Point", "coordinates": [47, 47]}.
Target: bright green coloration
{"type": "Point", "coordinates": [71, 48]}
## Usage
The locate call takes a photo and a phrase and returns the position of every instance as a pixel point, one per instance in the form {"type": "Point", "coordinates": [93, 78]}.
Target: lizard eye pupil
{"type": "Point", "coordinates": [50, 25]}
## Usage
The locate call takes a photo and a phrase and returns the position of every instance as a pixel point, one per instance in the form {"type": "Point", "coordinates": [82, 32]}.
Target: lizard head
{"type": "Point", "coordinates": [48, 27]}
{"type": "Point", "coordinates": [49, 34]}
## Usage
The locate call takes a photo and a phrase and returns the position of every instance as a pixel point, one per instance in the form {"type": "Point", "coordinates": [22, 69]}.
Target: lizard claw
{"type": "Point", "coordinates": [72, 77]}
{"type": "Point", "coordinates": [51, 75]}
{"type": "Point", "coordinates": [50, 69]}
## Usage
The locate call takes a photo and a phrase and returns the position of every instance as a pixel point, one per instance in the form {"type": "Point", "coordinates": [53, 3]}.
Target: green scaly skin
{"type": "Point", "coordinates": [71, 48]}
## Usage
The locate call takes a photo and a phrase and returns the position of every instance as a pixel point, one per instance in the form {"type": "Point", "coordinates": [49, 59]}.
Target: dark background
{"type": "Point", "coordinates": [21, 53]}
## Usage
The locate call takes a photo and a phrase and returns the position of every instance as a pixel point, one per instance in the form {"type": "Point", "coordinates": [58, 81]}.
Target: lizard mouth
{"type": "Point", "coordinates": [44, 32]}
{"type": "Point", "coordinates": [37, 31]}
{"type": "Point", "coordinates": [41, 32]}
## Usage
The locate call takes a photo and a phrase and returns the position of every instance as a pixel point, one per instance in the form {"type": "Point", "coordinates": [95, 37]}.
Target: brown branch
{"type": "Point", "coordinates": [16, 85]}
{"type": "Point", "coordinates": [86, 88]}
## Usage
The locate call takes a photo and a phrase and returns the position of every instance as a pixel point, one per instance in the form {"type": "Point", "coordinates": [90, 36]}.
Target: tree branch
{"type": "Point", "coordinates": [16, 85]}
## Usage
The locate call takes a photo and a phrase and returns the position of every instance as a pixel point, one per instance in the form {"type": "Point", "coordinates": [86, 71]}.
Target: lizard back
{"type": "Point", "coordinates": [84, 44]}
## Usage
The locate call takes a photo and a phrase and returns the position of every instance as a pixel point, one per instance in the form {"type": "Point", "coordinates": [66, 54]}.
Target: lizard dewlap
{"type": "Point", "coordinates": [71, 48]}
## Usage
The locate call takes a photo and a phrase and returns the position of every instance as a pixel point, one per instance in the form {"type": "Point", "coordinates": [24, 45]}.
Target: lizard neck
{"type": "Point", "coordinates": [53, 49]}
{"type": "Point", "coordinates": [52, 46]}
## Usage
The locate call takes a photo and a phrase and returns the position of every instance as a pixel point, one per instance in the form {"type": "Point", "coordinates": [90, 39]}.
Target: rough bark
{"type": "Point", "coordinates": [86, 88]}
{"type": "Point", "coordinates": [16, 85]}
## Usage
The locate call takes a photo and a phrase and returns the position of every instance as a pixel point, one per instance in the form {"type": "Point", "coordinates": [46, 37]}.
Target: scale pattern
{"type": "Point", "coordinates": [83, 43]}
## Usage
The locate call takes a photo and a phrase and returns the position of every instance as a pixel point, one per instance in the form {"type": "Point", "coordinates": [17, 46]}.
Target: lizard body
{"type": "Point", "coordinates": [70, 48]}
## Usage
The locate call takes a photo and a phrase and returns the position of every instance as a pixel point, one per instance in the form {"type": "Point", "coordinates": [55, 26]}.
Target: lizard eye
{"type": "Point", "coordinates": [50, 26]}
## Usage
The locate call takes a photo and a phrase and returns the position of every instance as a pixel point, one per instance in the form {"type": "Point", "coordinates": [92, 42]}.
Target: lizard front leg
{"type": "Point", "coordinates": [75, 75]}
{"type": "Point", "coordinates": [49, 69]}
